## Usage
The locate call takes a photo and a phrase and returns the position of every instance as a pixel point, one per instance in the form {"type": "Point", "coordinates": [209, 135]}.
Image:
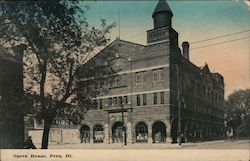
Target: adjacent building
{"type": "Point", "coordinates": [157, 92]}
{"type": "Point", "coordinates": [11, 93]}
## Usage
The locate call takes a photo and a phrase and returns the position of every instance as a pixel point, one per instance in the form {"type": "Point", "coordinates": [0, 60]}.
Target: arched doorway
{"type": "Point", "coordinates": [98, 134]}
{"type": "Point", "coordinates": [117, 132]}
{"type": "Point", "coordinates": [141, 132]}
{"type": "Point", "coordinates": [85, 134]}
{"type": "Point", "coordinates": [159, 132]}
{"type": "Point", "coordinates": [174, 130]}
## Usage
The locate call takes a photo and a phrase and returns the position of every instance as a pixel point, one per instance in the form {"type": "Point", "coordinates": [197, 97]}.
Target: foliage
{"type": "Point", "coordinates": [59, 41]}
{"type": "Point", "coordinates": [237, 110]}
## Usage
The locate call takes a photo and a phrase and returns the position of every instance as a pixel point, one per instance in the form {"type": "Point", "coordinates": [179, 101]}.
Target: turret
{"type": "Point", "coordinates": [162, 15]}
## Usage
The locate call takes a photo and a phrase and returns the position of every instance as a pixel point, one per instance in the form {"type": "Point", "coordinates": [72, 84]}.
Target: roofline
{"type": "Point", "coordinates": [130, 42]}
{"type": "Point", "coordinates": [110, 45]}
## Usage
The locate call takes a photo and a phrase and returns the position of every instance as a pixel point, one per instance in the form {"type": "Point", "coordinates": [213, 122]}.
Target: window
{"type": "Point", "coordinates": [158, 74]}
{"type": "Point", "coordinates": [141, 77]}
{"type": "Point", "coordinates": [162, 74]}
{"type": "Point", "coordinates": [112, 82]}
{"type": "Point", "coordinates": [124, 76]}
{"type": "Point", "coordinates": [155, 75]}
{"type": "Point", "coordinates": [118, 80]}
{"type": "Point", "coordinates": [95, 104]}
{"type": "Point", "coordinates": [144, 98]}
{"type": "Point", "coordinates": [138, 78]}
{"type": "Point", "coordinates": [138, 100]}
{"type": "Point", "coordinates": [110, 102]}
{"type": "Point", "coordinates": [141, 132]}
{"type": "Point", "coordinates": [144, 77]}
{"type": "Point", "coordinates": [100, 103]}
{"type": "Point", "coordinates": [155, 98]}
{"type": "Point", "coordinates": [115, 100]}
{"type": "Point", "coordinates": [162, 97]}
{"type": "Point", "coordinates": [126, 99]}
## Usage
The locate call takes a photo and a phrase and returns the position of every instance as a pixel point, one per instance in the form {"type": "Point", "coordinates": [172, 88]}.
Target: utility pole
{"type": "Point", "coordinates": [178, 104]}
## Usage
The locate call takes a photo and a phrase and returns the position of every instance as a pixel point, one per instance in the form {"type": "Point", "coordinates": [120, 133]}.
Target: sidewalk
{"type": "Point", "coordinates": [218, 144]}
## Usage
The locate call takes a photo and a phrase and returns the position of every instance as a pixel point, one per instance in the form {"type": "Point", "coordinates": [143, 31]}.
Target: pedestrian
{"type": "Point", "coordinates": [28, 144]}
{"type": "Point", "coordinates": [81, 134]}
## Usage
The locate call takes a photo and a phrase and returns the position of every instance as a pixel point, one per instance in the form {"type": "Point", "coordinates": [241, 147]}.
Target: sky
{"type": "Point", "coordinates": [194, 21]}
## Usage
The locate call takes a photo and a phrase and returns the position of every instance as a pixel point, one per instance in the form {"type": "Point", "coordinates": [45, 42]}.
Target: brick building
{"type": "Point", "coordinates": [11, 92]}
{"type": "Point", "coordinates": [152, 82]}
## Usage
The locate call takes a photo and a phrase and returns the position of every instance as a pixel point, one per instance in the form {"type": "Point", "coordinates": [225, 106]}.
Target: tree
{"type": "Point", "coordinates": [237, 110]}
{"type": "Point", "coordinates": [59, 41]}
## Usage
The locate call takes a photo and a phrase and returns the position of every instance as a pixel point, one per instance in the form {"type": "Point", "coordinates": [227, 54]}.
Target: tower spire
{"type": "Point", "coordinates": [162, 14]}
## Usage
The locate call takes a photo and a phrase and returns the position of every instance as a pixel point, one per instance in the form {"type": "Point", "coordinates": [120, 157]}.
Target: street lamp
{"type": "Point", "coordinates": [129, 59]}
{"type": "Point", "coordinates": [123, 125]}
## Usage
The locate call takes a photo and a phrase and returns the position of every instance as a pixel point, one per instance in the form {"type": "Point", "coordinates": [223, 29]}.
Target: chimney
{"type": "Point", "coordinates": [185, 49]}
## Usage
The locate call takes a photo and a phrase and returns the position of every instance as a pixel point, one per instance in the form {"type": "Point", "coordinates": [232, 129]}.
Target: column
{"type": "Point", "coordinates": [106, 134]}
{"type": "Point", "coordinates": [168, 135]}
{"type": "Point", "coordinates": [150, 140]}
{"type": "Point", "coordinates": [129, 133]}
{"type": "Point", "coordinates": [91, 136]}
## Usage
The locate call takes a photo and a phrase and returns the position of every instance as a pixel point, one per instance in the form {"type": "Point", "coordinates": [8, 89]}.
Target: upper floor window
{"type": "Point", "coordinates": [110, 102]}
{"type": "Point", "coordinates": [162, 100]}
{"type": "Point", "coordinates": [124, 79]}
{"type": "Point", "coordinates": [155, 98]}
{"type": "Point", "coordinates": [119, 80]}
{"type": "Point", "coordinates": [138, 100]}
{"type": "Point", "coordinates": [100, 104]}
{"type": "Point", "coordinates": [125, 99]}
{"type": "Point", "coordinates": [115, 100]}
{"type": "Point", "coordinates": [141, 77]}
{"type": "Point", "coordinates": [144, 98]}
{"type": "Point", "coordinates": [158, 74]}
{"type": "Point", "coordinates": [95, 104]}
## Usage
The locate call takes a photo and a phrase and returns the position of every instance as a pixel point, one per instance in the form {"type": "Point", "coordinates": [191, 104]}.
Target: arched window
{"type": "Point", "coordinates": [117, 132]}
{"type": "Point", "coordinates": [159, 132]}
{"type": "Point", "coordinates": [98, 133]}
{"type": "Point", "coordinates": [85, 134]}
{"type": "Point", "coordinates": [141, 131]}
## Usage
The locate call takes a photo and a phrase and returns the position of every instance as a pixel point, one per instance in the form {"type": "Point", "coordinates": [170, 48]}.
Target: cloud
{"type": "Point", "coordinates": [246, 2]}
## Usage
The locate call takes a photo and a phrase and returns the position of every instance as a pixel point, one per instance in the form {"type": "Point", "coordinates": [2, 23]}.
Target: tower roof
{"type": "Point", "coordinates": [162, 6]}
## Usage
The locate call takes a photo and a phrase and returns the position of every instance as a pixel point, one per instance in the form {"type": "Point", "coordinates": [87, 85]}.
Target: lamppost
{"type": "Point", "coordinates": [123, 125]}
{"type": "Point", "coordinates": [121, 99]}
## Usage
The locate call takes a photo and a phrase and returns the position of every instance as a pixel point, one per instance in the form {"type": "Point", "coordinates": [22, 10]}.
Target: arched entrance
{"type": "Point", "coordinates": [159, 132]}
{"type": "Point", "coordinates": [98, 134]}
{"type": "Point", "coordinates": [117, 132]}
{"type": "Point", "coordinates": [141, 132]}
{"type": "Point", "coordinates": [85, 134]}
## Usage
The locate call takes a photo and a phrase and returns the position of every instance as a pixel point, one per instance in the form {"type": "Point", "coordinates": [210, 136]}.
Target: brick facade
{"type": "Point", "coordinates": [148, 82]}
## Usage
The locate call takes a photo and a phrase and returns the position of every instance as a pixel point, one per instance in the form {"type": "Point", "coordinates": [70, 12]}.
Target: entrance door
{"type": "Point", "coordinates": [117, 133]}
